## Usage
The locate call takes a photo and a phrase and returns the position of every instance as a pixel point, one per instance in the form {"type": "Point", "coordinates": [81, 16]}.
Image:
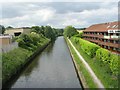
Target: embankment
{"type": "Point", "coordinates": [16, 60]}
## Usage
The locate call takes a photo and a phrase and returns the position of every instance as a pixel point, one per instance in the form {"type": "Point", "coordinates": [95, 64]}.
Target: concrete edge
{"type": "Point", "coordinates": [79, 74]}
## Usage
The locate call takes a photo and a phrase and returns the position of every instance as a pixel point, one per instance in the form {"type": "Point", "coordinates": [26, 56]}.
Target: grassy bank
{"type": "Point", "coordinates": [86, 79]}
{"type": "Point", "coordinates": [14, 60]}
{"type": "Point", "coordinates": [102, 71]}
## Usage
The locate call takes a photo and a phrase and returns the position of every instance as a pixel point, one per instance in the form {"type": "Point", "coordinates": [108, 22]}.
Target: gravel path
{"type": "Point", "coordinates": [94, 77]}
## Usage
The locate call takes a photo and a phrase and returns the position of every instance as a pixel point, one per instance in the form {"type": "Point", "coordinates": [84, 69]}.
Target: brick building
{"type": "Point", "coordinates": [106, 35]}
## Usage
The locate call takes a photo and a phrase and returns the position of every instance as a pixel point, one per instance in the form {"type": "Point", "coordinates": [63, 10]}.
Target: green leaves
{"type": "Point", "coordinates": [2, 29]}
{"type": "Point", "coordinates": [101, 54]}
{"type": "Point", "coordinates": [69, 31]}
{"type": "Point", "coordinates": [108, 58]}
{"type": "Point", "coordinates": [30, 41]}
{"type": "Point", "coordinates": [87, 47]}
{"type": "Point", "coordinates": [12, 61]}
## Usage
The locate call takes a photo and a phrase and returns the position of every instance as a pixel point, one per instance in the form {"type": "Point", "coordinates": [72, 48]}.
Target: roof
{"type": "Point", "coordinates": [103, 27]}
{"type": "Point", "coordinates": [19, 28]}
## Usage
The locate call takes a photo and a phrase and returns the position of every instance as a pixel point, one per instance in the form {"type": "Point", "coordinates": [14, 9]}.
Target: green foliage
{"type": "Point", "coordinates": [30, 41]}
{"type": "Point", "coordinates": [105, 64]}
{"type": "Point", "coordinates": [2, 29]}
{"type": "Point", "coordinates": [15, 59]}
{"type": "Point", "coordinates": [114, 60]}
{"type": "Point", "coordinates": [87, 47]}
{"type": "Point", "coordinates": [47, 31]}
{"type": "Point", "coordinates": [80, 35]}
{"type": "Point", "coordinates": [9, 27]}
{"type": "Point", "coordinates": [36, 29]}
{"type": "Point", "coordinates": [69, 31]}
{"type": "Point", "coordinates": [50, 33]}
{"type": "Point", "coordinates": [93, 50]}
{"type": "Point", "coordinates": [12, 61]}
{"type": "Point", "coordinates": [108, 58]}
{"type": "Point", "coordinates": [103, 54]}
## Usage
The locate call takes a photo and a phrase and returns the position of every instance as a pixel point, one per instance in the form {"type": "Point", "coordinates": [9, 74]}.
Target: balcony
{"type": "Point", "coordinates": [103, 43]}
{"type": "Point", "coordinates": [115, 37]}
{"type": "Point", "coordinates": [93, 35]}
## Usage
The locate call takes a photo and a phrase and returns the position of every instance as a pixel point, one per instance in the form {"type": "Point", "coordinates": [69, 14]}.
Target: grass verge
{"type": "Point", "coordinates": [86, 79]}
{"type": "Point", "coordinates": [102, 71]}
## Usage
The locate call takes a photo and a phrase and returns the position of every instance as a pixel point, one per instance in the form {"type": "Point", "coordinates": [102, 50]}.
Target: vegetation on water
{"type": "Point", "coordinates": [102, 62]}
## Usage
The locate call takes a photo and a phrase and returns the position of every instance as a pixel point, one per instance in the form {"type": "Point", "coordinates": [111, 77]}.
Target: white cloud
{"type": "Point", "coordinates": [42, 15]}
{"type": "Point", "coordinates": [36, 14]}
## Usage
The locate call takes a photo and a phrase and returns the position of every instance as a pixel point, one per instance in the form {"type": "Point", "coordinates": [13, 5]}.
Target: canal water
{"type": "Point", "coordinates": [53, 68]}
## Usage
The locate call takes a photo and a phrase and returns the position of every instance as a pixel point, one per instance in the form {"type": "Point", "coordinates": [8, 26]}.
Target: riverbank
{"type": "Point", "coordinates": [101, 70]}
{"type": "Point", "coordinates": [14, 61]}
{"type": "Point", "coordinates": [83, 74]}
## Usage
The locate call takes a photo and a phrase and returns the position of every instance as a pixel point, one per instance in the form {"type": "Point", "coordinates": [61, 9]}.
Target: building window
{"type": "Point", "coordinates": [114, 41]}
{"type": "Point", "coordinates": [104, 40]}
{"type": "Point", "coordinates": [108, 47]}
{"type": "Point", "coordinates": [105, 47]}
{"type": "Point", "coordinates": [105, 34]}
{"type": "Point", "coordinates": [118, 49]}
{"type": "Point", "coordinates": [114, 49]}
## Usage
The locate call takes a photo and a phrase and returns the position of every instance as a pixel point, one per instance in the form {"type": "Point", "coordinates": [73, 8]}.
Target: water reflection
{"type": "Point", "coordinates": [53, 68]}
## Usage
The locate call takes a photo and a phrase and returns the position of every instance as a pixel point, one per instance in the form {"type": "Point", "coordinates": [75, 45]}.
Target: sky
{"type": "Point", "coordinates": [57, 14]}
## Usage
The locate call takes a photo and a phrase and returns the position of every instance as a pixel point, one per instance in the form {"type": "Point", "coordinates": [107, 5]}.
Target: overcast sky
{"type": "Point", "coordinates": [58, 14]}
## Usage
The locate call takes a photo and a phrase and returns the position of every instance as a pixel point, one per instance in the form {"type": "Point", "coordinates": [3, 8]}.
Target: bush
{"type": "Point", "coordinates": [80, 35]}
{"type": "Point", "coordinates": [31, 41]}
{"type": "Point", "coordinates": [88, 47]}
{"type": "Point", "coordinates": [103, 54]}
{"type": "Point", "coordinates": [108, 58]}
{"type": "Point", "coordinates": [12, 61]}
{"type": "Point", "coordinates": [69, 31]}
{"type": "Point", "coordinates": [114, 63]}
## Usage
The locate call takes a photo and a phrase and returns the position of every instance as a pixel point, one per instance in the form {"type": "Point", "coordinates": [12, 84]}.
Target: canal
{"type": "Point", "coordinates": [53, 68]}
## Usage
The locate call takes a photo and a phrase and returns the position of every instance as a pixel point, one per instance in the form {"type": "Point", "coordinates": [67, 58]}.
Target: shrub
{"type": "Point", "coordinates": [114, 60]}
{"type": "Point", "coordinates": [12, 61]}
{"type": "Point", "coordinates": [103, 54]}
{"type": "Point", "coordinates": [88, 47]}
{"type": "Point", "coordinates": [108, 58]}
{"type": "Point", "coordinates": [31, 41]}
{"type": "Point", "coordinates": [80, 35]}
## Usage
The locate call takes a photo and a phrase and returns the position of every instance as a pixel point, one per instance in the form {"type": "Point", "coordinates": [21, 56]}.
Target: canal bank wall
{"type": "Point", "coordinates": [79, 75]}
{"type": "Point", "coordinates": [28, 61]}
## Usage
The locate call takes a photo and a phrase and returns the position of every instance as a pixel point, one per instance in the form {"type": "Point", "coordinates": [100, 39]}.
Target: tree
{"type": "Point", "coordinates": [9, 27]}
{"type": "Point", "coordinates": [2, 29]}
{"type": "Point", "coordinates": [49, 33]}
{"type": "Point", "coordinates": [70, 31]}
{"type": "Point", "coordinates": [36, 29]}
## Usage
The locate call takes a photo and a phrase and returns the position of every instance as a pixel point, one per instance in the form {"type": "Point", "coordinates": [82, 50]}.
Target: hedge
{"type": "Point", "coordinates": [13, 61]}
{"type": "Point", "coordinates": [88, 47]}
{"type": "Point", "coordinates": [109, 58]}
{"type": "Point", "coordinates": [105, 56]}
